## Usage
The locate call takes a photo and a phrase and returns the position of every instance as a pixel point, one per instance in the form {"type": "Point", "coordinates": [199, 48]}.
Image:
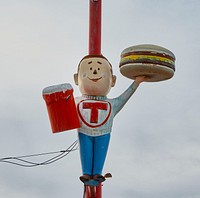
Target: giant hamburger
{"type": "Point", "coordinates": [155, 62]}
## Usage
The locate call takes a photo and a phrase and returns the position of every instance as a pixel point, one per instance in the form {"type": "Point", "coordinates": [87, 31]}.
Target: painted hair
{"type": "Point", "coordinates": [95, 56]}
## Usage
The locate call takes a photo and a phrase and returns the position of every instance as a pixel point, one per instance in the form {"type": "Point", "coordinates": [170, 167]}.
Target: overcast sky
{"type": "Point", "coordinates": [155, 145]}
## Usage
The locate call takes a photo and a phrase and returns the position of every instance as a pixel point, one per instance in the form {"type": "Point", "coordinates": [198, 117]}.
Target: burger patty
{"type": "Point", "coordinates": [148, 53]}
{"type": "Point", "coordinates": [147, 61]}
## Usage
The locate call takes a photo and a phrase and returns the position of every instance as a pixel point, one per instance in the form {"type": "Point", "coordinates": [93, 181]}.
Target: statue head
{"type": "Point", "coordinates": [94, 76]}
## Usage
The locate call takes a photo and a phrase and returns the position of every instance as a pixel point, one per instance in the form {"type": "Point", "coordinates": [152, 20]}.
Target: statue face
{"type": "Point", "coordinates": [95, 77]}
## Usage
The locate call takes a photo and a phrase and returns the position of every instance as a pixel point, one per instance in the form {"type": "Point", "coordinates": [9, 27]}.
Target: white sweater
{"type": "Point", "coordinates": [96, 113]}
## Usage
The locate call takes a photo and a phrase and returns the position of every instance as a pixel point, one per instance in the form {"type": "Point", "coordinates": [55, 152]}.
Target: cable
{"type": "Point", "coordinates": [26, 163]}
{"type": "Point", "coordinates": [32, 164]}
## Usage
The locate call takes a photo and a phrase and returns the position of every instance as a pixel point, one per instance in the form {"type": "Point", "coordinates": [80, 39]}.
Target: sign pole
{"type": "Point", "coordinates": [94, 49]}
{"type": "Point", "coordinates": [95, 27]}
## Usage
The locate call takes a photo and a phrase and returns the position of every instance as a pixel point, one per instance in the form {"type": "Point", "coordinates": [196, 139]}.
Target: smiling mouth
{"type": "Point", "coordinates": [95, 79]}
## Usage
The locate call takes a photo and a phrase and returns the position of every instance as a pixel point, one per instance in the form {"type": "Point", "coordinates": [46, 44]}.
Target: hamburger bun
{"type": "Point", "coordinates": [155, 62]}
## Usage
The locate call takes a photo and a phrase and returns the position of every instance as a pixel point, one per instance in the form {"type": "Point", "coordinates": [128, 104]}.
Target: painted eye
{"type": "Point", "coordinates": [90, 68]}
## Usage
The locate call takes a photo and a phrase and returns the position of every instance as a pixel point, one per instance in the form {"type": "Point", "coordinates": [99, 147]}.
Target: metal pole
{"type": "Point", "coordinates": [94, 191]}
{"type": "Point", "coordinates": [95, 27]}
{"type": "Point", "coordinates": [94, 49]}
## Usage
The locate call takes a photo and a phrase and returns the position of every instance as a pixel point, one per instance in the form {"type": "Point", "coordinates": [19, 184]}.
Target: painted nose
{"type": "Point", "coordinates": [95, 71]}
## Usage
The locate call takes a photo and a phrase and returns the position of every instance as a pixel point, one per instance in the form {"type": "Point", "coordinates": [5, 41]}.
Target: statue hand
{"type": "Point", "coordinates": [140, 79]}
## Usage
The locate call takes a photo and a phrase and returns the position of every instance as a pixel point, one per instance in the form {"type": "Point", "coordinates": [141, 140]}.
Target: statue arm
{"type": "Point", "coordinates": [121, 100]}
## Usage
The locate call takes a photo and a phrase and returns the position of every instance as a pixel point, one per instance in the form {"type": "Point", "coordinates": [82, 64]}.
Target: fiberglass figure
{"type": "Point", "coordinates": [96, 112]}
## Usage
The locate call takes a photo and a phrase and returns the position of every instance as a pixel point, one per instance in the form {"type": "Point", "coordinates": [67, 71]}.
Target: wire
{"type": "Point", "coordinates": [25, 163]}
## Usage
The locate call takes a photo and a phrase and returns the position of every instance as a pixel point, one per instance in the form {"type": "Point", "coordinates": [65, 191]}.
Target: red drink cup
{"type": "Point", "coordinates": [61, 107]}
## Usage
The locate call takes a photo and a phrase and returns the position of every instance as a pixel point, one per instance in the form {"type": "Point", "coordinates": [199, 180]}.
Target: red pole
{"type": "Point", "coordinates": [99, 191]}
{"type": "Point", "coordinates": [94, 49]}
{"type": "Point", "coordinates": [95, 27]}
{"type": "Point", "coordinates": [94, 191]}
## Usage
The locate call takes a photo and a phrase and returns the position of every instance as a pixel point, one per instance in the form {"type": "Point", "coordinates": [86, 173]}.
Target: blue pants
{"type": "Point", "coordinates": [93, 152]}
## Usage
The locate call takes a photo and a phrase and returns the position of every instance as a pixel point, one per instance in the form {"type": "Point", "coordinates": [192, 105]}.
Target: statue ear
{"type": "Point", "coordinates": [76, 78]}
{"type": "Point", "coordinates": [113, 80]}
